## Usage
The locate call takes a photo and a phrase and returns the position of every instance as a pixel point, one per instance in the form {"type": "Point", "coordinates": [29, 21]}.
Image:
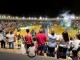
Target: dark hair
{"type": "Point", "coordinates": [71, 38]}
{"type": "Point", "coordinates": [52, 33]}
{"type": "Point", "coordinates": [27, 30]}
{"type": "Point", "coordinates": [0, 31]}
{"type": "Point", "coordinates": [40, 31]}
{"type": "Point", "coordinates": [11, 32]}
{"type": "Point", "coordinates": [65, 36]}
{"type": "Point", "coordinates": [32, 44]}
{"type": "Point", "coordinates": [78, 36]}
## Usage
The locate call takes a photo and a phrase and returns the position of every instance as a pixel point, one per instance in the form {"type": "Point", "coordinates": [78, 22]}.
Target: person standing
{"type": "Point", "coordinates": [28, 38]}
{"type": "Point", "coordinates": [19, 43]}
{"type": "Point", "coordinates": [4, 40]}
{"type": "Point", "coordinates": [1, 39]}
{"type": "Point", "coordinates": [11, 38]}
{"type": "Point", "coordinates": [63, 46]}
{"type": "Point", "coordinates": [52, 43]}
{"type": "Point", "coordinates": [41, 39]}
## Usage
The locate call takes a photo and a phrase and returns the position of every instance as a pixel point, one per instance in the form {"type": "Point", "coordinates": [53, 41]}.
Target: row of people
{"type": "Point", "coordinates": [63, 48]}
{"type": "Point", "coordinates": [46, 44]}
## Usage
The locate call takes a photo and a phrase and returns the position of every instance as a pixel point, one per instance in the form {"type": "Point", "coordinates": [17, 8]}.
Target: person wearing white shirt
{"type": "Point", "coordinates": [76, 44]}
{"type": "Point", "coordinates": [1, 39]}
{"type": "Point", "coordinates": [32, 51]}
{"type": "Point", "coordinates": [11, 38]}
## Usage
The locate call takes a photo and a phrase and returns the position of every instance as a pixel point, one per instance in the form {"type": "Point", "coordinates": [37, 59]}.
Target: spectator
{"type": "Point", "coordinates": [41, 39]}
{"type": "Point", "coordinates": [11, 38]}
{"type": "Point", "coordinates": [28, 38]}
{"type": "Point", "coordinates": [22, 50]}
{"type": "Point", "coordinates": [52, 43]}
{"type": "Point", "coordinates": [32, 50]}
{"type": "Point", "coordinates": [71, 46]}
{"type": "Point", "coordinates": [1, 40]}
{"type": "Point", "coordinates": [19, 43]}
{"type": "Point", "coordinates": [75, 49]}
{"type": "Point", "coordinates": [63, 46]}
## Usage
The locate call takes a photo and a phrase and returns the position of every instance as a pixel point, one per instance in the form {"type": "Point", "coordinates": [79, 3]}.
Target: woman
{"type": "Point", "coordinates": [63, 46]}
{"type": "Point", "coordinates": [52, 44]}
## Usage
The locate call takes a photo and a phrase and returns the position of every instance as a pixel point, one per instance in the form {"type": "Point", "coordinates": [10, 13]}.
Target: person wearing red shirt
{"type": "Point", "coordinates": [41, 39]}
{"type": "Point", "coordinates": [28, 38]}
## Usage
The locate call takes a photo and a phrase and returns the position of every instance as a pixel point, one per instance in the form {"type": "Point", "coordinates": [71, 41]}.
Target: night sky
{"type": "Point", "coordinates": [39, 8]}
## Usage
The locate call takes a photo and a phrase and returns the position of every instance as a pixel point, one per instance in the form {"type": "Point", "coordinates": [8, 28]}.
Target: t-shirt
{"type": "Point", "coordinates": [76, 44]}
{"type": "Point", "coordinates": [71, 43]}
{"type": "Point", "coordinates": [19, 41]}
{"type": "Point", "coordinates": [41, 38]}
{"type": "Point", "coordinates": [28, 38]}
{"type": "Point", "coordinates": [64, 44]}
{"type": "Point", "coordinates": [52, 41]}
{"type": "Point", "coordinates": [32, 51]}
{"type": "Point", "coordinates": [1, 37]}
{"type": "Point", "coordinates": [10, 37]}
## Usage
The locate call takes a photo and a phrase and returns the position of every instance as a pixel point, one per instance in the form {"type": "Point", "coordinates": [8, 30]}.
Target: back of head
{"type": "Point", "coordinates": [27, 30]}
{"type": "Point", "coordinates": [32, 44]}
{"type": "Point", "coordinates": [65, 36]}
{"type": "Point", "coordinates": [52, 33]}
{"type": "Point", "coordinates": [40, 31]}
{"type": "Point", "coordinates": [71, 38]}
{"type": "Point", "coordinates": [78, 36]}
{"type": "Point", "coordinates": [11, 32]}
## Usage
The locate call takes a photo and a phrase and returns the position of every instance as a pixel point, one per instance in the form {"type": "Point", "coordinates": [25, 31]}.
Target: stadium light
{"type": "Point", "coordinates": [32, 18]}
{"type": "Point", "coordinates": [58, 18]}
{"type": "Point", "coordinates": [16, 17]}
{"type": "Point", "coordinates": [46, 18]}
{"type": "Point", "coordinates": [40, 18]}
{"type": "Point", "coordinates": [29, 18]}
{"type": "Point", "coordinates": [35, 18]}
{"type": "Point", "coordinates": [43, 18]}
{"type": "Point", "coordinates": [23, 18]}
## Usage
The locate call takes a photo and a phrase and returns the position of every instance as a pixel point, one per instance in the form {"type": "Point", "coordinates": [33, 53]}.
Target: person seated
{"type": "Point", "coordinates": [32, 51]}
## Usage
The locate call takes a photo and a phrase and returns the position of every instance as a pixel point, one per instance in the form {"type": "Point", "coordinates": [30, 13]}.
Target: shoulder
{"type": "Point", "coordinates": [13, 34]}
{"type": "Point", "coordinates": [7, 34]}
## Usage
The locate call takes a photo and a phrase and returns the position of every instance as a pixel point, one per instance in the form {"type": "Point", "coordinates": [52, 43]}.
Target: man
{"type": "Point", "coordinates": [28, 38]}
{"type": "Point", "coordinates": [11, 38]}
{"type": "Point", "coordinates": [41, 39]}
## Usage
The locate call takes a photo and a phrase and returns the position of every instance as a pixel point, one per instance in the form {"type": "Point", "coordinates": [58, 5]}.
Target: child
{"type": "Point", "coordinates": [36, 46]}
{"type": "Point", "coordinates": [32, 51]}
{"type": "Point", "coordinates": [19, 43]}
{"type": "Point", "coordinates": [22, 49]}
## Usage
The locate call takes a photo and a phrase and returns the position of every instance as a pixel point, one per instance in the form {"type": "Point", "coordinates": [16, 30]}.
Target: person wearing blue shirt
{"type": "Point", "coordinates": [52, 44]}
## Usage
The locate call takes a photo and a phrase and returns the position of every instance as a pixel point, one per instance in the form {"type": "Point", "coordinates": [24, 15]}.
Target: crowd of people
{"type": "Point", "coordinates": [40, 43]}
{"type": "Point", "coordinates": [44, 44]}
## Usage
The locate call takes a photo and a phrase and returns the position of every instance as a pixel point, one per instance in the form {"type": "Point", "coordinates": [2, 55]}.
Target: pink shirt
{"type": "Point", "coordinates": [41, 38]}
{"type": "Point", "coordinates": [28, 38]}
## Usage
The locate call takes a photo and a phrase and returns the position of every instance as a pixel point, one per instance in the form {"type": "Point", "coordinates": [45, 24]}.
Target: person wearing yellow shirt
{"type": "Point", "coordinates": [19, 43]}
